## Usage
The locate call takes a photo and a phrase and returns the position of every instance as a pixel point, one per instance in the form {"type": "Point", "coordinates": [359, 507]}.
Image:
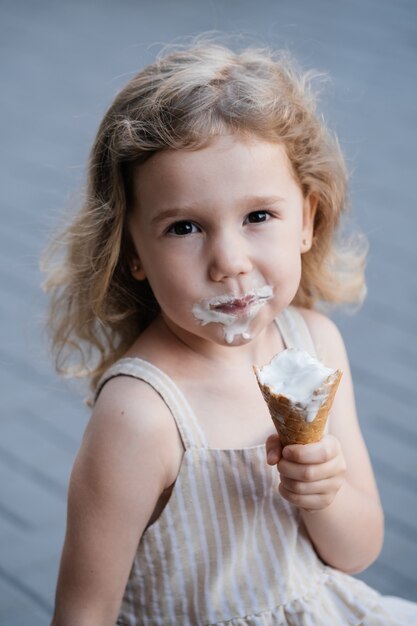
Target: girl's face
{"type": "Point", "coordinates": [219, 234]}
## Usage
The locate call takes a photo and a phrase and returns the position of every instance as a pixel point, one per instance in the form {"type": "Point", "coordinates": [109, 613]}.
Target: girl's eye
{"type": "Point", "coordinates": [182, 228]}
{"type": "Point", "coordinates": [257, 216]}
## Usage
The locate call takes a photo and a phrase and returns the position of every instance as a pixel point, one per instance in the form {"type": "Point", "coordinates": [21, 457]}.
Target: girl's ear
{"type": "Point", "coordinates": [309, 213]}
{"type": "Point", "coordinates": [136, 268]}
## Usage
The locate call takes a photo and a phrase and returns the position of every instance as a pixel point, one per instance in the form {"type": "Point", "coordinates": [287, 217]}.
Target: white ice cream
{"type": "Point", "coordinates": [296, 375]}
{"type": "Point", "coordinates": [234, 323]}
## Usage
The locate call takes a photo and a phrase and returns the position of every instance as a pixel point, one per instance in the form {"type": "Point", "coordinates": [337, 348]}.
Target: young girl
{"type": "Point", "coordinates": [204, 244]}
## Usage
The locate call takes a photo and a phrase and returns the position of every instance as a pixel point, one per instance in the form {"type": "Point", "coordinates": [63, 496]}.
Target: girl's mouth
{"type": "Point", "coordinates": [226, 308]}
{"type": "Point", "coordinates": [235, 306]}
{"type": "Point", "coordinates": [233, 312]}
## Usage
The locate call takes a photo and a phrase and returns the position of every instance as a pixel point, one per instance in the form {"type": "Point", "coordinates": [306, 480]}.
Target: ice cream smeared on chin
{"type": "Point", "coordinates": [299, 392]}
{"type": "Point", "coordinates": [234, 313]}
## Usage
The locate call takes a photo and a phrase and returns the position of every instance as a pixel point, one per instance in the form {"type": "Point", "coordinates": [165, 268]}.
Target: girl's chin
{"type": "Point", "coordinates": [238, 340]}
{"type": "Point", "coordinates": [235, 335]}
{"type": "Point", "coordinates": [241, 332]}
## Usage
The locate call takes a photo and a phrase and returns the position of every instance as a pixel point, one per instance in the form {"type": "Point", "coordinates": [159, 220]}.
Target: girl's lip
{"type": "Point", "coordinates": [234, 305]}
{"type": "Point", "coordinates": [232, 309]}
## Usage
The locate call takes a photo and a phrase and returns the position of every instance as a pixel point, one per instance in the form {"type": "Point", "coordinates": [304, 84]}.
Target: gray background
{"type": "Point", "coordinates": [61, 64]}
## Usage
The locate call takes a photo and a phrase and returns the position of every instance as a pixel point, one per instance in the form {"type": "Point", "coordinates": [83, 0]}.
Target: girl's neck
{"type": "Point", "coordinates": [165, 348]}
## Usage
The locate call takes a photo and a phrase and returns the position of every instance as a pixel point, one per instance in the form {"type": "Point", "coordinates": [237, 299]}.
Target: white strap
{"type": "Point", "coordinates": [295, 332]}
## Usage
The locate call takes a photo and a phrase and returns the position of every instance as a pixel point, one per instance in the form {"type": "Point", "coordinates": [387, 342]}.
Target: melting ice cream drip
{"type": "Point", "coordinates": [220, 310]}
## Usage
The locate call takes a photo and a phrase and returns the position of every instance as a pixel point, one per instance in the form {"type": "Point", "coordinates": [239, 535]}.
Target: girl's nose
{"type": "Point", "coordinates": [228, 258]}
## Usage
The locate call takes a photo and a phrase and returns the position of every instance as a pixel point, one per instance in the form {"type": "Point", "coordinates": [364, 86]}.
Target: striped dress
{"type": "Point", "coordinates": [227, 549]}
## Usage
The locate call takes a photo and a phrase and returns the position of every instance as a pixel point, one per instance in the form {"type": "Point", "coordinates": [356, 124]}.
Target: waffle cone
{"type": "Point", "coordinates": [290, 418]}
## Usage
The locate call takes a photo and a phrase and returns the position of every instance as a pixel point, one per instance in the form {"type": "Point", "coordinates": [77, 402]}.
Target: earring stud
{"type": "Point", "coordinates": [305, 242]}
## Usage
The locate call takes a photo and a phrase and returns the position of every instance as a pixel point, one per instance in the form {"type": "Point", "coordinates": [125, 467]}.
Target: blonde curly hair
{"type": "Point", "coordinates": [182, 101]}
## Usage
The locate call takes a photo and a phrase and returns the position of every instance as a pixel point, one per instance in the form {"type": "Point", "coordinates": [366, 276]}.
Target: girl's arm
{"type": "Point", "coordinates": [332, 481]}
{"type": "Point", "coordinates": [130, 453]}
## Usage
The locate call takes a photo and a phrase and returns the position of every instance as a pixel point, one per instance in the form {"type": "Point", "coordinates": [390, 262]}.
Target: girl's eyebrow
{"type": "Point", "coordinates": [257, 200]}
{"type": "Point", "coordinates": [172, 212]}
{"type": "Point", "coordinates": [246, 201]}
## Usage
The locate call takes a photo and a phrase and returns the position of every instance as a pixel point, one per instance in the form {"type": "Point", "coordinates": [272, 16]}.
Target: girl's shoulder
{"type": "Point", "coordinates": [130, 401]}
{"type": "Point", "coordinates": [326, 336]}
{"type": "Point", "coordinates": [317, 321]}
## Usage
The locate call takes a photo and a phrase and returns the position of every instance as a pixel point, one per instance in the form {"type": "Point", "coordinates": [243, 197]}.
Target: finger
{"type": "Point", "coordinates": [320, 452]}
{"type": "Point", "coordinates": [310, 502]}
{"type": "Point", "coordinates": [330, 485]}
{"type": "Point", "coordinates": [273, 449]}
{"type": "Point", "coordinates": [272, 439]}
{"type": "Point", "coordinates": [310, 473]}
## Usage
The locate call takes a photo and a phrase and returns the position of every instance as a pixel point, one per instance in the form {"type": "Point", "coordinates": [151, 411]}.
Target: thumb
{"type": "Point", "coordinates": [273, 449]}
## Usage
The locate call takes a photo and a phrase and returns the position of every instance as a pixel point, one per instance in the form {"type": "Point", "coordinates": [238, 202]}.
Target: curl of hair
{"type": "Point", "coordinates": [182, 101]}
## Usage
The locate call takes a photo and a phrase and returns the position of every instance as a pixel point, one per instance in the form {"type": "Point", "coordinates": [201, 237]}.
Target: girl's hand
{"type": "Point", "coordinates": [311, 474]}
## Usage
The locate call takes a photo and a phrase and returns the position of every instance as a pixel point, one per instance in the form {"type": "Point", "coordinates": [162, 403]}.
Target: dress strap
{"type": "Point", "coordinates": [294, 331]}
{"type": "Point", "coordinates": [191, 434]}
